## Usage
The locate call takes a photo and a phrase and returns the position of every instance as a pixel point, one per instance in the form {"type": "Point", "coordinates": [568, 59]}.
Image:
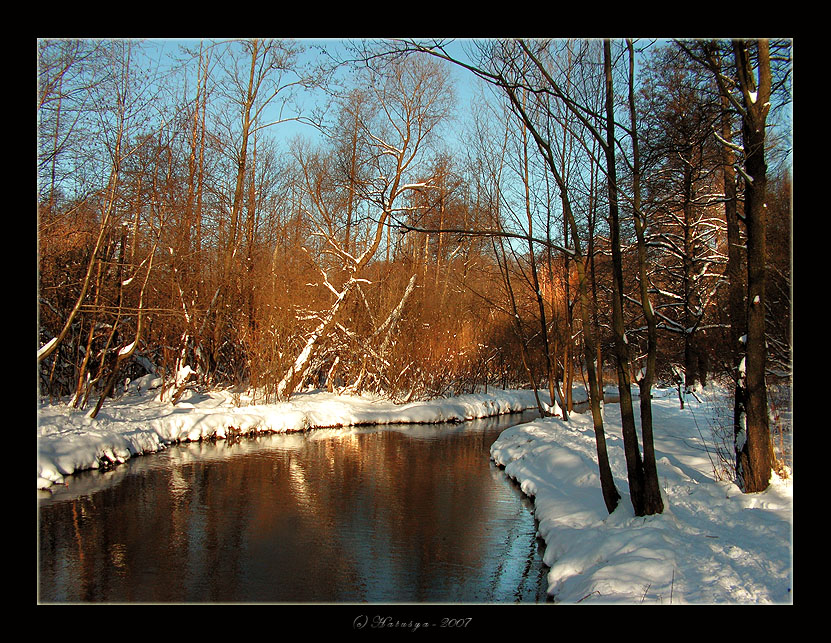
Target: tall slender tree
{"type": "Point", "coordinates": [749, 91]}
{"type": "Point", "coordinates": [413, 99]}
{"type": "Point", "coordinates": [653, 502]}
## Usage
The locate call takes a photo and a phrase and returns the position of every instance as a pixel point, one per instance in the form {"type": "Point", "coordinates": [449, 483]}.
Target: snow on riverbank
{"type": "Point", "coordinates": [712, 544]}
{"type": "Point", "coordinates": [137, 424]}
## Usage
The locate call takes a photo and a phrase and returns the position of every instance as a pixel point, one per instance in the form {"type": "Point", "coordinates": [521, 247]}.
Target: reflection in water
{"type": "Point", "coordinates": [397, 514]}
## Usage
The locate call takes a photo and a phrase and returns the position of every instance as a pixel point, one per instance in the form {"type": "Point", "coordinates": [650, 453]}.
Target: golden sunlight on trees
{"type": "Point", "coordinates": [256, 215]}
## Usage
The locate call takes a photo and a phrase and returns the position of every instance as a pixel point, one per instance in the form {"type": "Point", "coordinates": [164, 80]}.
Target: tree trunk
{"type": "Point", "coordinates": [611, 496]}
{"type": "Point", "coordinates": [652, 491]}
{"type": "Point", "coordinates": [517, 324]}
{"type": "Point", "coordinates": [691, 373]}
{"type": "Point", "coordinates": [754, 448]}
{"type": "Point", "coordinates": [551, 371]}
{"type": "Point", "coordinates": [634, 463]}
{"type": "Point", "coordinates": [607, 484]}
{"type": "Point", "coordinates": [291, 379]}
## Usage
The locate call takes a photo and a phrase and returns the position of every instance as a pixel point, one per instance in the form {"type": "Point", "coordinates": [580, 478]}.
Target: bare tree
{"type": "Point", "coordinates": [749, 91]}
{"type": "Point", "coordinates": [505, 68]}
{"type": "Point", "coordinates": [653, 503]}
{"type": "Point", "coordinates": [258, 79]}
{"type": "Point", "coordinates": [412, 99]}
{"type": "Point", "coordinates": [643, 480]}
{"type": "Point", "coordinates": [555, 394]}
{"type": "Point", "coordinates": [686, 198]}
{"type": "Point", "coordinates": [118, 104]}
{"type": "Point", "coordinates": [610, 493]}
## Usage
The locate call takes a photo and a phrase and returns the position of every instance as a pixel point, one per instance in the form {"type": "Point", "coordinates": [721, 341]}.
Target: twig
{"type": "Point", "coordinates": [587, 595]}
{"type": "Point", "coordinates": [672, 586]}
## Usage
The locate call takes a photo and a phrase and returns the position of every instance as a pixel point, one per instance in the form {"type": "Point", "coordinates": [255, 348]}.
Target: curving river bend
{"type": "Point", "coordinates": [406, 514]}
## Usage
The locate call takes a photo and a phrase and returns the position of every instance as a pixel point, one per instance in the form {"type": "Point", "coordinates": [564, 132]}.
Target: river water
{"type": "Point", "coordinates": [401, 514]}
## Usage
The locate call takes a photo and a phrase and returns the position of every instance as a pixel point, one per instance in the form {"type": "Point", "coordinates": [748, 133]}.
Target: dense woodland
{"type": "Point", "coordinates": [597, 212]}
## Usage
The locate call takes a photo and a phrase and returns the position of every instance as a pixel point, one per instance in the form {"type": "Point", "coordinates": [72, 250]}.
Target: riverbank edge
{"type": "Point", "coordinates": [70, 442]}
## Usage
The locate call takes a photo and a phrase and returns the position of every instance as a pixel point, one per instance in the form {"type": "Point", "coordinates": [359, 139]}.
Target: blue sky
{"type": "Point", "coordinates": [161, 48]}
{"type": "Point", "coordinates": [464, 81]}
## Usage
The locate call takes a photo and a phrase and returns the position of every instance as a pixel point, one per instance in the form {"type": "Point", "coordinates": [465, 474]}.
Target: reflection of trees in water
{"type": "Point", "coordinates": [349, 515]}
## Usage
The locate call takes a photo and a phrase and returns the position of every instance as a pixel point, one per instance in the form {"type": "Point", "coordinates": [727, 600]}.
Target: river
{"type": "Point", "coordinates": [397, 514]}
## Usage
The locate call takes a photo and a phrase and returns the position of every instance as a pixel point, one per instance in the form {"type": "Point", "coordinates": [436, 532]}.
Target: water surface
{"type": "Point", "coordinates": [404, 514]}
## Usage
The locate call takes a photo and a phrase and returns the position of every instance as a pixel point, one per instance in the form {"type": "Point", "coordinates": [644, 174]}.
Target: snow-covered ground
{"type": "Point", "coordinates": [712, 544]}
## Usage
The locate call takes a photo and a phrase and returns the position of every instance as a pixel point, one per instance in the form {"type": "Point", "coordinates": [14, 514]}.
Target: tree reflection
{"type": "Point", "coordinates": [382, 515]}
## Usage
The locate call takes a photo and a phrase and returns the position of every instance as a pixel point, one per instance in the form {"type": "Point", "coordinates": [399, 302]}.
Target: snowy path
{"type": "Point", "coordinates": [712, 544]}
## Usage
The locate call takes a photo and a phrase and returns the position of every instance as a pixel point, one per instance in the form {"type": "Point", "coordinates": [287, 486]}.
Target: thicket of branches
{"type": "Point", "coordinates": [181, 235]}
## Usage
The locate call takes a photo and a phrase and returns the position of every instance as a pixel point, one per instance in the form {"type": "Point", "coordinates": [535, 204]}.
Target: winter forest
{"type": "Point", "coordinates": [419, 219]}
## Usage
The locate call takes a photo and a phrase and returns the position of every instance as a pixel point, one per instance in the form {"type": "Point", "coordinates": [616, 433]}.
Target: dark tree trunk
{"type": "Point", "coordinates": [652, 491]}
{"type": "Point", "coordinates": [634, 462]}
{"type": "Point", "coordinates": [607, 484]}
{"type": "Point", "coordinates": [754, 448]}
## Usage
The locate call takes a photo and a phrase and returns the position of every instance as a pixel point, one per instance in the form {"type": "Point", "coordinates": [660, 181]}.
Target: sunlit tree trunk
{"type": "Point", "coordinates": [754, 448]}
